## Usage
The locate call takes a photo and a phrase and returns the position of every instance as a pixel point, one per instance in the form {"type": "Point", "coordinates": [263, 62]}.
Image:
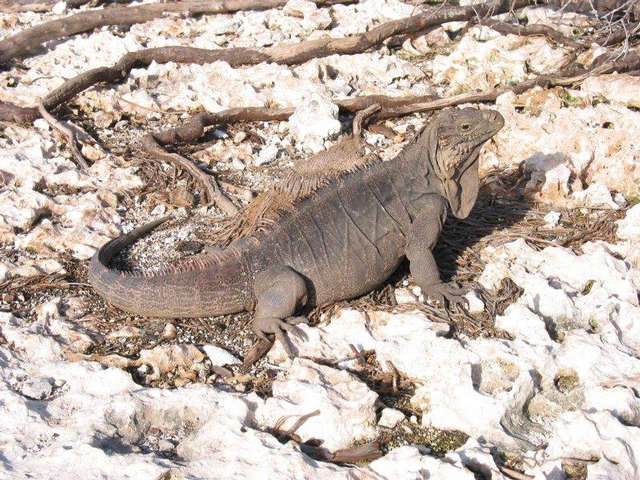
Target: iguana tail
{"type": "Point", "coordinates": [204, 286]}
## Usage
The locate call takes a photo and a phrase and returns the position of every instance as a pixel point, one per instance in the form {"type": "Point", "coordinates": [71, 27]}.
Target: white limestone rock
{"type": "Point", "coordinates": [596, 145]}
{"type": "Point", "coordinates": [476, 305]}
{"type": "Point", "coordinates": [617, 87]}
{"type": "Point", "coordinates": [22, 208]}
{"type": "Point", "coordinates": [596, 195]}
{"type": "Point", "coordinates": [629, 226]}
{"type": "Point", "coordinates": [219, 356]}
{"type": "Point", "coordinates": [390, 417]}
{"type": "Point", "coordinates": [267, 154]}
{"type": "Point", "coordinates": [314, 121]}
{"type": "Point", "coordinates": [483, 59]}
{"type": "Point", "coordinates": [408, 462]}
{"type": "Point", "coordinates": [345, 404]}
{"type": "Point", "coordinates": [4, 271]}
{"type": "Point", "coordinates": [551, 219]}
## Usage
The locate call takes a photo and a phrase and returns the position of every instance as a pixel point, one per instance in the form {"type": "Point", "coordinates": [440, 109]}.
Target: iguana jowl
{"type": "Point", "coordinates": [340, 242]}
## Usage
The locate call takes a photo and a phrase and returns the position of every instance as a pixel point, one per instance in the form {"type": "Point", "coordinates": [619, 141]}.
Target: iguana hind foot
{"type": "Point", "coordinates": [447, 294]}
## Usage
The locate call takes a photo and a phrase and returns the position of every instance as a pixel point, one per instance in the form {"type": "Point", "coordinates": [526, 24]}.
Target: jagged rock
{"type": "Point", "coordinates": [390, 417]}
{"type": "Point", "coordinates": [619, 88]}
{"type": "Point", "coordinates": [220, 356]}
{"type": "Point", "coordinates": [37, 388]}
{"type": "Point", "coordinates": [629, 226]}
{"type": "Point", "coordinates": [345, 405]}
{"type": "Point", "coordinates": [22, 208]}
{"type": "Point", "coordinates": [315, 120]}
{"type": "Point", "coordinates": [267, 155]}
{"type": "Point", "coordinates": [410, 462]}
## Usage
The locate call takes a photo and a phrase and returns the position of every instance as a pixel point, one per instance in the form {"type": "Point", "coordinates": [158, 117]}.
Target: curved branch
{"type": "Point", "coordinates": [286, 53]}
{"type": "Point", "coordinates": [66, 131]}
{"type": "Point", "coordinates": [561, 78]}
{"type": "Point", "coordinates": [535, 29]}
{"type": "Point", "coordinates": [210, 191]}
{"type": "Point", "coordinates": [25, 42]}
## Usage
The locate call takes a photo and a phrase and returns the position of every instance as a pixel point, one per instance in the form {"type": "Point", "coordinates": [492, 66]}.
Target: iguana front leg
{"type": "Point", "coordinates": [423, 236]}
{"type": "Point", "coordinates": [280, 292]}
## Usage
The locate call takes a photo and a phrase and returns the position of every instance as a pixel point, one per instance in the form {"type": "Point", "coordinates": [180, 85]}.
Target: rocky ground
{"type": "Point", "coordinates": [541, 379]}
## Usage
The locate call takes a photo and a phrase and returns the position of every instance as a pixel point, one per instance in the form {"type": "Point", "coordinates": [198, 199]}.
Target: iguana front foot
{"type": "Point", "coordinates": [281, 329]}
{"type": "Point", "coordinates": [447, 294]}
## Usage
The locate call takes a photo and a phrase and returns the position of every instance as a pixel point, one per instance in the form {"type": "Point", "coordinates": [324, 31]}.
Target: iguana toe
{"type": "Point", "coordinates": [280, 329]}
{"type": "Point", "coordinates": [447, 295]}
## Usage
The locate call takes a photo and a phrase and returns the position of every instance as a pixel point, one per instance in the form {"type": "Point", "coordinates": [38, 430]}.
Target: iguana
{"type": "Point", "coordinates": [342, 241]}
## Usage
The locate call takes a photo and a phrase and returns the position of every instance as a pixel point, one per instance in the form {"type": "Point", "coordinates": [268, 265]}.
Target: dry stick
{"type": "Point", "coordinates": [194, 127]}
{"type": "Point", "coordinates": [286, 53]}
{"type": "Point", "coordinates": [528, 30]}
{"type": "Point", "coordinates": [210, 190]}
{"type": "Point", "coordinates": [612, 38]}
{"type": "Point", "coordinates": [25, 42]}
{"type": "Point", "coordinates": [66, 131]}
{"type": "Point", "coordinates": [514, 474]}
{"type": "Point", "coordinates": [630, 63]}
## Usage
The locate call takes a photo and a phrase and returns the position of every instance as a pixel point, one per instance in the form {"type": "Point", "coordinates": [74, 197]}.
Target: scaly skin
{"type": "Point", "coordinates": [341, 242]}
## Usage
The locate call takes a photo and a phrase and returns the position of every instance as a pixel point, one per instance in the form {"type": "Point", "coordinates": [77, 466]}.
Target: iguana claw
{"type": "Point", "coordinates": [447, 295]}
{"type": "Point", "coordinates": [280, 329]}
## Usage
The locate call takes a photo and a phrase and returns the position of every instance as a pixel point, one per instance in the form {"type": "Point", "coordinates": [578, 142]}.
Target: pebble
{"type": "Point", "coordinates": [390, 417]}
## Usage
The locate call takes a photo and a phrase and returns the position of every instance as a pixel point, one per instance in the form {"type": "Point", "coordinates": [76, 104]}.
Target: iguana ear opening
{"type": "Point", "coordinates": [462, 192]}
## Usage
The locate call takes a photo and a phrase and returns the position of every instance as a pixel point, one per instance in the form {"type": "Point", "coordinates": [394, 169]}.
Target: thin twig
{"type": "Point", "coordinates": [67, 132]}
{"type": "Point", "coordinates": [210, 191]}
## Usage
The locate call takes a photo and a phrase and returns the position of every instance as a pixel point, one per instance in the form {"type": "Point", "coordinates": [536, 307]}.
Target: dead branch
{"type": "Point", "coordinates": [361, 453]}
{"type": "Point", "coordinates": [535, 29]}
{"type": "Point", "coordinates": [27, 41]}
{"type": "Point", "coordinates": [257, 351]}
{"type": "Point", "coordinates": [287, 53]}
{"type": "Point", "coordinates": [15, 6]}
{"type": "Point", "coordinates": [514, 474]}
{"type": "Point", "coordinates": [194, 127]}
{"type": "Point", "coordinates": [210, 191]}
{"type": "Point", "coordinates": [624, 33]}
{"type": "Point", "coordinates": [12, 113]}
{"type": "Point", "coordinates": [562, 78]}
{"type": "Point", "coordinates": [66, 131]}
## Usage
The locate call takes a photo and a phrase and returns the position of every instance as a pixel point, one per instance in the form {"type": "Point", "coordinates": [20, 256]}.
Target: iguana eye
{"type": "Point", "coordinates": [465, 126]}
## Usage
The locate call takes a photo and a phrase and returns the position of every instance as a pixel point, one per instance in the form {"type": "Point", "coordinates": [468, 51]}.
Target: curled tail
{"type": "Point", "coordinates": [201, 287]}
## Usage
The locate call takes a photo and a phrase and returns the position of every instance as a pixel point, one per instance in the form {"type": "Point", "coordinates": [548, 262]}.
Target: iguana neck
{"type": "Point", "coordinates": [415, 164]}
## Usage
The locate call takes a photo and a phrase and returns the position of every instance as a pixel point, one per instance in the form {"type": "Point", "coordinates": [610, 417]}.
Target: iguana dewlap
{"type": "Point", "coordinates": [343, 241]}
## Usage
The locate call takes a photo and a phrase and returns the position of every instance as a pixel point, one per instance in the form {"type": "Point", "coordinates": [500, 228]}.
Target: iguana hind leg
{"type": "Point", "coordinates": [279, 292]}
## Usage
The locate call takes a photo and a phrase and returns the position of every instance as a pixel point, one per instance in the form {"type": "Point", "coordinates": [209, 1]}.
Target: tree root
{"type": "Point", "coordinates": [27, 41]}
{"type": "Point", "coordinates": [535, 29]}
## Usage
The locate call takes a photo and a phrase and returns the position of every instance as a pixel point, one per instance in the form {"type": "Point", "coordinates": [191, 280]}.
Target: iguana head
{"type": "Point", "coordinates": [455, 139]}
